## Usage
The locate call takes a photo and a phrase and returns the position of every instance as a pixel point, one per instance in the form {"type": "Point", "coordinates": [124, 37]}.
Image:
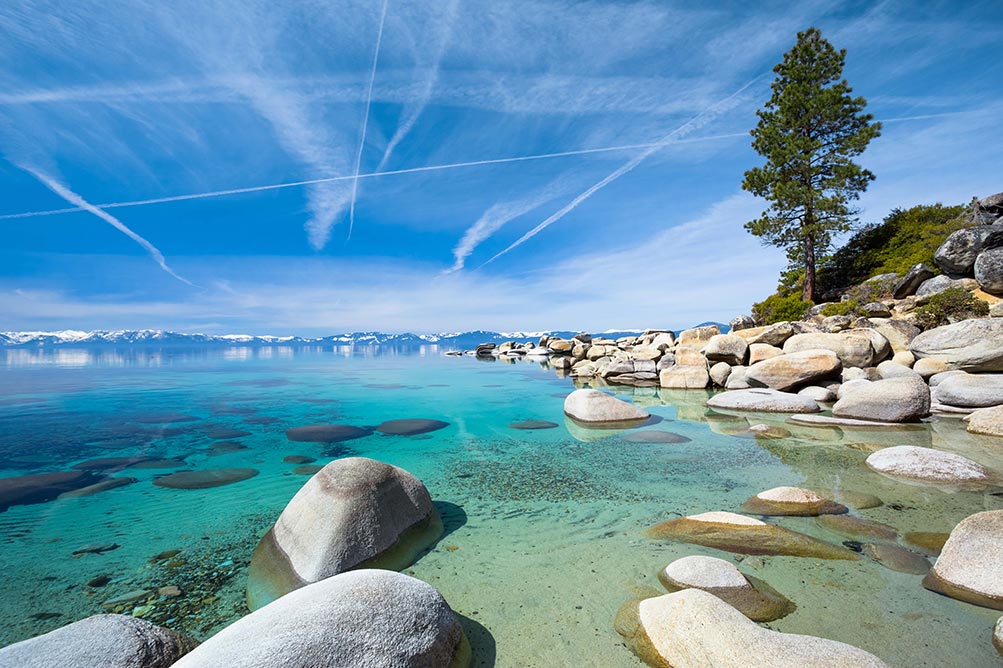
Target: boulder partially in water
{"type": "Point", "coordinates": [746, 535]}
{"type": "Point", "coordinates": [900, 399]}
{"type": "Point", "coordinates": [108, 641]}
{"type": "Point", "coordinates": [928, 465]}
{"type": "Point", "coordinates": [360, 618]}
{"type": "Point", "coordinates": [969, 345]}
{"type": "Point", "coordinates": [598, 408]}
{"type": "Point", "coordinates": [42, 487]}
{"type": "Point", "coordinates": [695, 629]}
{"type": "Point", "coordinates": [752, 597]}
{"type": "Point", "coordinates": [792, 501]}
{"type": "Point", "coordinates": [988, 421]}
{"type": "Point", "coordinates": [354, 513]}
{"type": "Point", "coordinates": [764, 401]}
{"type": "Point", "coordinates": [970, 567]}
{"type": "Point", "coordinates": [205, 478]}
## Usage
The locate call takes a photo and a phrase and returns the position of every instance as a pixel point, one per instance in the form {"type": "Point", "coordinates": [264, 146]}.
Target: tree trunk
{"type": "Point", "coordinates": [808, 294]}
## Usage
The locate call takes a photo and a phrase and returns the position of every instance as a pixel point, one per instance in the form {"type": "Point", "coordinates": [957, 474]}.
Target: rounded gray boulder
{"type": "Point", "coordinates": [360, 619]}
{"type": "Point", "coordinates": [353, 513]}
{"type": "Point", "coordinates": [108, 641]}
{"type": "Point", "coordinates": [989, 270]}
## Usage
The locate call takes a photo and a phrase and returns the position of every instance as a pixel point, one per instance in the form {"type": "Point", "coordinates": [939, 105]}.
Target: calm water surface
{"type": "Point", "coordinates": [545, 529]}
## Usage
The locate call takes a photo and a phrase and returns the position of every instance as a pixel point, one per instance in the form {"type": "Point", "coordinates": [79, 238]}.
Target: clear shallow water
{"type": "Point", "coordinates": [545, 528]}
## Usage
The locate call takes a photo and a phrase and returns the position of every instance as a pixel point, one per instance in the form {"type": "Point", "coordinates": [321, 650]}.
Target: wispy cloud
{"type": "Point", "coordinates": [498, 216]}
{"type": "Point", "coordinates": [695, 123]}
{"type": "Point", "coordinates": [365, 119]}
{"type": "Point", "coordinates": [76, 200]}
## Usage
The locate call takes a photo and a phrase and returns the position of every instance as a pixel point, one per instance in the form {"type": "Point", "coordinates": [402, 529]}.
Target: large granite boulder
{"type": "Point", "coordinates": [853, 349]}
{"type": "Point", "coordinates": [988, 421]}
{"type": "Point", "coordinates": [969, 345]}
{"type": "Point", "coordinates": [752, 597]}
{"type": "Point", "coordinates": [989, 271]}
{"type": "Point", "coordinates": [105, 641]}
{"type": "Point", "coordinates": [899, 333]}
{"type": "Point", "coordinates": [746, 535]}
{"type": "Point", "coordinates": [970, 566]}
{"type": "Point", "coordinates": [902, 399]}
{"type": "Point", "coordinates": [366, 618]}
{"type": "Point", "coordinates": [794, 369]}
{"type": "Point", "coordinates": [728, 348]}
{"type": "Point", "coordinates": [741, 322]}
{"type": "Point", "coordinates": [763, 351]}
{"type": "Point", "coordinates": [684, 377]}
{"type": "Point", "coordinates": [928, 465]}
{"type": "Point", "coordinates": [763, 400]}
{"type": "Point", "coordinates": [938, 284]}
{"type": "Point", "coordinates": [598, 408]}
{"type": "Point", "coordinates": [694, 629]}
{"type": "Point", "coordinates": [911, 281]}
{"type": "Point", "coordinates": [960, 249]}
{"type": "Point", "coordinates": [970, 390]}
{"type": "Point", "coordinates": [354, 513]}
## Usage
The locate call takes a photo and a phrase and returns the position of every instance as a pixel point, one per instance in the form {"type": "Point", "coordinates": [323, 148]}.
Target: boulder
{"type": "Point", "coordinates": [927, 465]}
{"type": "Point", "coordinates": [750, 596]}
{"type": "Point", "coordinates": [896, 558]}
{"type": "Point", "coordinates": [763, 351]}
{"type": "Point", "coordinates": [533, 425]}
{"type": "Point", "coordinates": [988, 421]}
{"type": "Point", "coordinates": [876, 310]}
{"type": "Point", "coordinates": [929, 366]}
{"type": "Point", "coordinates": [969, 567]}
{"type": "Point", "coordinates": [746, 535]}
{"type": "Point", "coordinates": [905, 399]}
{"type": "Point", "coordinates": [726, 348]}
{"type": "Point", "coordinates": [410, 426]}
{"type": "Point", "coordinates": [852, 349]}
{"type": "Point", "coordinates": [820, 394]}
{"type": "Point", "coordinates": [738, 378]}
{"type": "Point", "coordinates": [857, 528]}
{"type": "Point", "coordinates": [354, 513]}
{"type": "Point", "coordinates": [205, 478]}
{"type": "Point", "coordinates": [108, 641]}
{"type": "Point", "coordinates": [795, 501]}
{"type": "Point", "coordinates": [694, 629]}
{"type": "Point", "coordinates": [905, 358]}
{"type": "Point", "coordinates": [892, 369]}
{"type": "Point", "coordinates": [698, 335]}
{"type": "Point", "coordinates": [741, 322]}
{"type": "Point", "coordinates": [899, 333]}
{"type": "Point", "coordinates": [42, 487]}
{"type": "Point", "coordinates": [938, 284]}
{"type": "Point", "coordinates": [970, 390]}
{"type": "Point", "coordinates": [793, 369]}
{"type": "Point", "coordinates": [836, 323]}
{"type": "Point", "coordinates": [960, 249]}
{"type": "Point", "coordinates": [989, 271]}
{"type": "Point", "coordinates": [364, 618]}
{"type": "Point", "coordinates": [719, 373]}
{"type": "Point", "coordinates": [598, 408]}
{"type": "Point", "coordinates": [326, 433]}
{"type": "Point", "coordinates": [655, 436]}
{"type": "Point", "coordinates": [911, 281]}
{"type": "Point", "coordinates": [680, 377]}
{"type": "Point", "coordinates": [763, 400]}
{"type": "Point", "coordinates": [969, 345]}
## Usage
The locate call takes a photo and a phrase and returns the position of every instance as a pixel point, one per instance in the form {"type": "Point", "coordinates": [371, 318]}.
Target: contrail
{"type": "Point", "coordinates": [410, 170]}
{"type": "Point", "coordinates": [694, 123]}
{"type": "Point", "coordinates": [426, 89]}
{"type": "Point", "coordinates": [81, 203]}
{"type": "Point", "coordinates": [365, 119]}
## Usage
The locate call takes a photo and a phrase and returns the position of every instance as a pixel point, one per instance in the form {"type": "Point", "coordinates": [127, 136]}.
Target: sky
{"type": "Point", "coordinates": [320, 167]}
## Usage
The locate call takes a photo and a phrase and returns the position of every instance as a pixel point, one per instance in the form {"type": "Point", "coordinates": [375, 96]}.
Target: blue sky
{"type": "Point", "coordinates": [639, 224]}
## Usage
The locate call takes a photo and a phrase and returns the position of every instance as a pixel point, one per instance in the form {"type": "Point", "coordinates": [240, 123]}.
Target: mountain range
{"type": "Point", "coordinates": [158, 338]}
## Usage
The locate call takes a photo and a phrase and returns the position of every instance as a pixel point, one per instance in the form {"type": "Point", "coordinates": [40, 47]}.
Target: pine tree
{"type": "Point", "coordinates": [809, 131]}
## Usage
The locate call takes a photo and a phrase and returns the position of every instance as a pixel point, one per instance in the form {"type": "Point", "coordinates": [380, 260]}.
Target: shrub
{"type": "Point", "coordinates": [847, 307]}
{"type": "Point", "coordinates": [777, 308]}
{"type": "Point", "coordinates": [951, 305]}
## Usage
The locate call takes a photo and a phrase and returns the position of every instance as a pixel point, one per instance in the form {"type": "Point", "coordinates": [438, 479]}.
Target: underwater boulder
{"type": "Point", "coordinates": [792, 501]}
{"type": "Point", "coordinates": [205, 478]}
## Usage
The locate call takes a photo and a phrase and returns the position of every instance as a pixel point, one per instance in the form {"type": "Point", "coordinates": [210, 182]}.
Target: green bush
{"type": "Point", "coordinates": [777, 308]}
{"type": "Point", "coordinates": [951, 305]}
{"type": "Point", "coordinates": [847, 307]}
{"type": "Point", "coordinates": [905, 237]}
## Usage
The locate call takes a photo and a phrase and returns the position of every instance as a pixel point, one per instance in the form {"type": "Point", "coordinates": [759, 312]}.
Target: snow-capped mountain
{"type": "Point", "coordinates": [159, 337]}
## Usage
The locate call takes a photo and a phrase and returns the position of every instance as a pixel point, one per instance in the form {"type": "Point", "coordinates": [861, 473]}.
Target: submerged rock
{"type": "Point", "coordinates": [931, 542]}
{"type": "Point", "coordinates": [533, 425]}
{"type": "Point", "coordinates": [354, 513]}
{"type": "Point", "coordinates": [694, 629]}
{"type": "Point", "coordinates": [308, 469]}
{"type": "Point", "coordinates": [105, 641]}
{"type": "Point", "coordinates": [42, 487]}
{"type": "Point", "coordinates": [98, 487]}
{"type": "Point", "coordinates": [598, 408]}
{"type": "Point", "coordinates": [763, 400]}
{"type": "Point", "coordinates": [792, 501]}
{"type": "Point", "coordinates": [969, 567]}
{"type": "Point", "coordinates": [927, 464]}
{"type": "Point", "coordinates": [326, 433]}
{"type": "Point", "coordinates": [745, 535]}
{"type": "Point", "coordinates": [204, 479]}
{"type": "Point", "coordinates": [410, 426]}
{"type": "Point", "coordinates": [298, 459]}
{"type": "Point", "coordinates": [752, 597]}
{"type": "Point", "coordinates": [364, 618]}
{"type": "Point", "coordinates": [897, 558]}
{"type": "Point", "coordinates": [655, 436]}
{"type": "Point", "coordinates": [857, 528]}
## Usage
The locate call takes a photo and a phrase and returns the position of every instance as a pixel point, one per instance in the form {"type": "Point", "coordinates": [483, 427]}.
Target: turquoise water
{"type": "Point", "coordinates": [545, 529]}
